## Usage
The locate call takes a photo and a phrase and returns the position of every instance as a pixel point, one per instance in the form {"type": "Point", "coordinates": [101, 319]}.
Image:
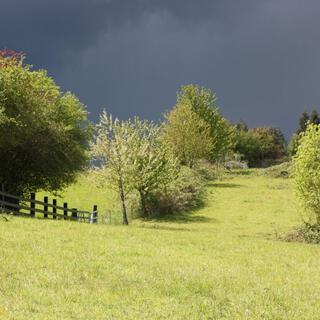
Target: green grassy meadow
{"type": "Point", "coordinates": [223, 261]}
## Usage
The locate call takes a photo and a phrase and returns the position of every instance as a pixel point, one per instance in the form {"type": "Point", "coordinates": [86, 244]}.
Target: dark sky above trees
{"type": "Point", "coordinates": [262, 57]}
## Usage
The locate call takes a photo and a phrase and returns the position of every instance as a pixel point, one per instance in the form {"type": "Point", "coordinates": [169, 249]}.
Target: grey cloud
{"type": "Point", "coordinates": [261, 57]}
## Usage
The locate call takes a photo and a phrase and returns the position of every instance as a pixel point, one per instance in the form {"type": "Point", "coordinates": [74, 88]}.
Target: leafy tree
{"type": "Point", "coordinates": [43, 132]}
{"type": "Point", "coordinates": [307, 172]}
{"type": "Point", "coordinates": [154, 167]}
{"type": "Point", "coordinates": [112, 151]}
{"type": "Point", "coordinates": [203, 102]}
{"type": "Point", "coordinates": [187, 134]}
{"type": "Point", "coordinates": [132, 158]}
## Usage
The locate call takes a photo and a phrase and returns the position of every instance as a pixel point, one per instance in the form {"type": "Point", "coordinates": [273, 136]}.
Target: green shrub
{"type": "Point", "coordinates": [307, 173]}
{"type": "Point", "coordinates": [208, 170]}
{"type": "Point", "coordinates": [185, 193]}
{"type": "Point", "coordinates": [261, 146]}
{"type": "Point", "coordinates": [283, 170]}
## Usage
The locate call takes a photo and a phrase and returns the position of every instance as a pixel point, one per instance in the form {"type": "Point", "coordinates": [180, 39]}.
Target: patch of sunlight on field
{"type": "Point", "coordinates": [219, 262]}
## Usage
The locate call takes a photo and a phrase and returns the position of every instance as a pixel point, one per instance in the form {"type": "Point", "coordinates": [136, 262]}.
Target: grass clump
{"type": "Point", "coordinates": [309, 233]}
{"type": "Point", "coordinates": [283, 170]}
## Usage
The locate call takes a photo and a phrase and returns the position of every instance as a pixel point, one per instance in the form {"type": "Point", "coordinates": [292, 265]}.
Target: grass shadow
{"type": "Point", "coordinates": [224, 185]}
{"type": "Point", "coordinates": [183, 217]}
{"type": "Point", "coordinates": [240, 172]}
{"type": "Point", "coordinates": [162, 227]}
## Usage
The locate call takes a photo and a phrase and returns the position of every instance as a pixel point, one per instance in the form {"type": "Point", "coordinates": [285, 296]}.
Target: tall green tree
{"type": "Point", "coordinates": [187, 135]}
{"type": "Point", "coordinates": [203, 102]}
{"type": "Point", "coordinates": [44, 132]}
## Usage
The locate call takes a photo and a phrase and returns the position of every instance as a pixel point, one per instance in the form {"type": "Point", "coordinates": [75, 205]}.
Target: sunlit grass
{"type": "Point", "coordinates": [220, 262]}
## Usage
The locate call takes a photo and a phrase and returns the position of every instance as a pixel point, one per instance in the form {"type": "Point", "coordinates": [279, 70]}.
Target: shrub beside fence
{"type": "Point", "coordinates": [31, 207]}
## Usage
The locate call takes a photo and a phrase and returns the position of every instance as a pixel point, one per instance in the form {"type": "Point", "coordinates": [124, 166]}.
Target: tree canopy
{"type": "Point", "coordinates": [202, 102]}
{"type": "Point", "coordinates": [43, 132]}
{"type": "Point", "coordinates": [187, 135]}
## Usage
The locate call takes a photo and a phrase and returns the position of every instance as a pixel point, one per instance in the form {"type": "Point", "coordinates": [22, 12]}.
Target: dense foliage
{"type": "Point", "coordinates": [260, 146]}
{"type": "Point", "coordinates": [187, 135]}
{"type": "Point", "coordinates": [307, 172]}
{"type": "Point", "coordinates": [202, 101]}
{"type": "Point", "coordinates": [132, 158]}
{"type": "Point", "coordinates": [43, 132]}
{"type": "Point", "coordinates": [185, 192]}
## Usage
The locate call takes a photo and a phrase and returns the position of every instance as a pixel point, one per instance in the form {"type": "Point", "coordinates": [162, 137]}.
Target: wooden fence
{"type": "Point", "coordinates": [31, 207]}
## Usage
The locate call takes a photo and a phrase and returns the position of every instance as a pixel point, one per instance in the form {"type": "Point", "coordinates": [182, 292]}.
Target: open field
{"type": "Point", "coordinates": [220, 262]}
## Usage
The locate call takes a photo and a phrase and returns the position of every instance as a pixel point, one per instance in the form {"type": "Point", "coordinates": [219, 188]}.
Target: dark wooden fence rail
{"type": "Point", "coordinates": [30, 206]}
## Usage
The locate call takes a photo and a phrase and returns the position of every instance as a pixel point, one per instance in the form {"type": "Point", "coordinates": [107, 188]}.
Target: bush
{"type": "Point", "coordinates": [208, 170]}
{"type": "Point", "coordinates": [283, 170]}
{"type": "Point", "coordinates": [307, 173]}
{"type": "Point", "coordinates": [185, 193]}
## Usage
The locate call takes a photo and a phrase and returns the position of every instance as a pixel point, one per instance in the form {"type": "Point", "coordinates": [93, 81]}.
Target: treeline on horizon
{"type": "Point", "coordinates": [46, 140]}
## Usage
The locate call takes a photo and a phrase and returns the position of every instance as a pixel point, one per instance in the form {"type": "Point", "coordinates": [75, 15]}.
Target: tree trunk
{"type": "Point", "coordinates": [123, 205]}
{"type": "Point", "coordinates": [143, 203]}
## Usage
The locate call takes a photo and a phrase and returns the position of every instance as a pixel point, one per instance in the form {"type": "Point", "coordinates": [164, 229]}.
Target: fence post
{"type": "Point", "coordinates": [32, 204]}
{"type": "Point", "coordinates": [45, 207]}
{"type": "Point", "coordinates": [65, 210]}
{"type": "Point", "coordinates": [54, 209]}
{"type": "Point", "coordinates": [74, 213]}
{"type": "Point", "coordinates": [94, 215]}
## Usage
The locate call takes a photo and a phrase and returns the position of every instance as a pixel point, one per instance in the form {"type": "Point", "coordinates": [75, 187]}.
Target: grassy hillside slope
{"type": "Point", "coordinates": [220, 262]}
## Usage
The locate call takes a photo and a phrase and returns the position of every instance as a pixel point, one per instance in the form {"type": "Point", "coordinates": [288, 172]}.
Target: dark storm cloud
{"type": "Point", "coordinates": [131, 56]}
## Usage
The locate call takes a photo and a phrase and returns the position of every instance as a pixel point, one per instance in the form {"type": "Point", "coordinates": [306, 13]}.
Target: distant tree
{"type": "Point", "coordinates": [303, 122]}
{"type": "Point", "coordinates": [241, 126]}
{"type": "Point", "coordinates": [44, 133]}
{"type": "Point", "coordinates": [187, 135]}
{"type": "Point", "coordinates": [260, 145]}
{"type": "Point", "coordinates": [314, 117]}
{"type": "Point", "coordinates": [294, 144]}
{"type": "Point", "coordinates": [203, 102]}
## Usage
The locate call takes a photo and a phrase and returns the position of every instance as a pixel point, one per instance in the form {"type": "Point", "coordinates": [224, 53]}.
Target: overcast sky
{"type": "Point", "coordinates": [261, 57]}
